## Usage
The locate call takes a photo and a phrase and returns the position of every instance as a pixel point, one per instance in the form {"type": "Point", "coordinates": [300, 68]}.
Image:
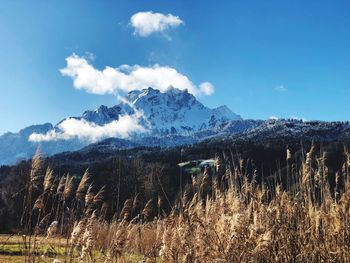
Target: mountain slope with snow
{"type": "Point", "coordinates": [289, 131]}
{"type": "Point", "coordinates": [16, 146]}
{"type": "Point", "coordinates": [171, 112]}
{"type": "Point", "coordinates": [143, 117]}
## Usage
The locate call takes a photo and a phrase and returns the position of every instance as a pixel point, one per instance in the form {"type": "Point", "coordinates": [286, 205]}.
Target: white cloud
{"type": "Point", "coordinates": [146, 23]}
{"type": "Point", "coordinates": [126, 78]}
{"type": "Point", "coordinates": [81, 129]}
{"type": "Point", "coordinates": [206, 88]}
{"type": "Point", "coordinates": [280, 88]}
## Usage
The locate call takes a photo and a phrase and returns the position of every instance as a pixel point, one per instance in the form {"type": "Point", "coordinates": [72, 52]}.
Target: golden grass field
{"type": "Point", "coordinates": [246, 222]}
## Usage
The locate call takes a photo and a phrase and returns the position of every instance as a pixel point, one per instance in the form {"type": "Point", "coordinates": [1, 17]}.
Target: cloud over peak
{"type": "Point", "coordinates": [146, 23]}
{"type": "Point", "coordinates": [81, 129]}
{"type": "Point", "coordinates": [126, 78]}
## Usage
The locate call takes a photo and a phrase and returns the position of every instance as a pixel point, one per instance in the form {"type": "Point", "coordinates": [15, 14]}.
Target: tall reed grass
{"type": "Point", "coordinates": [226, 218]}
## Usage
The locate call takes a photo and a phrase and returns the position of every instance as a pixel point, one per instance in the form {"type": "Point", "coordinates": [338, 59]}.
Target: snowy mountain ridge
{"type": "Point", "coordinates": [171, 112]}
{"type": "Point", "coordinates": [175, 113]}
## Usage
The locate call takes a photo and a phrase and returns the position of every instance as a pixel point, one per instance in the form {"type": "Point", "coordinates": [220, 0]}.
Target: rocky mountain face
{"type": "Point", "coordinates": [170, 118]}
{"type": "Point", "coordinates": [171, 112]}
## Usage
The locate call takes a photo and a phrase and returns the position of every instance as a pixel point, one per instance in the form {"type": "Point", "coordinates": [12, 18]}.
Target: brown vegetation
{"type": "Point", "coordinates": [223, 216]}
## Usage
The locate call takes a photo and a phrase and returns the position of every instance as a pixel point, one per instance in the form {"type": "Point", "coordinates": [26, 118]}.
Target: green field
{"type": "Point", "coordinates": [14, 248]}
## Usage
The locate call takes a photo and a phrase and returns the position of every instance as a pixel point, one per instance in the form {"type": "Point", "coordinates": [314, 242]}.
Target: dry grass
{"type": "Point", "coordinates": [244, 223]}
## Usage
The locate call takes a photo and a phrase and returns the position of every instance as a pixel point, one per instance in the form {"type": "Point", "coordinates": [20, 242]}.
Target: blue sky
{"type": "Point", "coordinates": [264, 58]}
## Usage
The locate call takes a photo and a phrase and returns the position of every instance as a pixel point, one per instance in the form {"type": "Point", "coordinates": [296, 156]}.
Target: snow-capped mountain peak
{"type": "Point", "coordinates": [102, 115]}
{"type": "Point", "coordinates": [142, 115]}
{"type": "Point", "coordinates": [173, 98]}
{"type": "Point", "coordinates": [173, 111]}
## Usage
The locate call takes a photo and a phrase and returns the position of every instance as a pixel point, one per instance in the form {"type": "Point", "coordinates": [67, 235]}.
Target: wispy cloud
{"type": "Point", "coordinates": [146, 23]}
{"type": "Point", "coordinates": [206, 88]}
{"type": "Point", "coordinates": [281, 88]}
{"type": "Point", "coordinates": [126, 78]}
{"type": "Point", "coordinates": [81, 129]}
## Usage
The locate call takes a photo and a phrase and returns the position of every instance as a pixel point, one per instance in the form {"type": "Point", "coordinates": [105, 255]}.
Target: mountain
{"type": "Point", "coordinates": [298, 129]}
{"type": "Point", "coordinates": [170, 118]}
{"type": "Point", "coordinates": [243, 133]}
{"type": "Point", "coordinates": [171, 112]}
{"type": "Point", "coordinates": [264, 143]}
{"type": "Point", "coordinates": [16, 146]}
{"type": "Point", "coordinates": [289, 131]}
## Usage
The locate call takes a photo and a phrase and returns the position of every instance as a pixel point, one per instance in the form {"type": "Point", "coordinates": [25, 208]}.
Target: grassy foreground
{"type": "Point", "coordinates": [14, 248]}
{"type": "Point", "coordinates": [238, 221]}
